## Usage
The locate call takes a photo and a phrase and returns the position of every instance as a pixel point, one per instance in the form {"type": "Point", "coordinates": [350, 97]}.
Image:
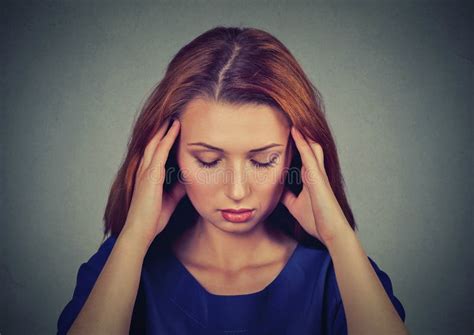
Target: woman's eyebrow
{"type": "Point", "coordinates": [222, 150]}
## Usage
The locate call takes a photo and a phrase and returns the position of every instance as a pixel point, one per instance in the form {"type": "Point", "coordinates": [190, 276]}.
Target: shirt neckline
{"type": "Point", "coordinates": [187, 276]}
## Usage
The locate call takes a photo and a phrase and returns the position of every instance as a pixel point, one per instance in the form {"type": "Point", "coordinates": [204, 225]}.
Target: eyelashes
{"type": "Point", "coordinates": [268, 165]}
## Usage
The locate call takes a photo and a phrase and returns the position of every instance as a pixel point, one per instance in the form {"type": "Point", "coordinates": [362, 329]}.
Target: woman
{"type": "Point", "coordinates": [211, 230]}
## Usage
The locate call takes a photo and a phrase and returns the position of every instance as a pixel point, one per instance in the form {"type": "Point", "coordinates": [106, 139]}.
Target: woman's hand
{"type": "Point", "coordinates": [151, 208]}
{"type": "Point", "coordinates": [316, 207]}
{"type": "Point", "coordinates": [318, 212]}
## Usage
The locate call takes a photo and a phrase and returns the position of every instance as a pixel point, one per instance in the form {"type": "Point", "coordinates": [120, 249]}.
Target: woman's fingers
{"type": "Point", "coordinates": [310, 148]}
{"type": "Point", "coordinates": [151, 146]}
{"type": "Point", "coordinates": [303, 147]}
{"type": "Point", "coordinates": [161, 152]}
{"type": "Point", "coordinates": [307, 156]}
{"type": "Point", "coordinates": [318, 152]}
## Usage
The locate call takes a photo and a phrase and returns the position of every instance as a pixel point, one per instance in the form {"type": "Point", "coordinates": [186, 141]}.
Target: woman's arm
{"type": "Point", "coordinates": [367, 307]}
{"type": "Point", "coordinates": [109, 306]}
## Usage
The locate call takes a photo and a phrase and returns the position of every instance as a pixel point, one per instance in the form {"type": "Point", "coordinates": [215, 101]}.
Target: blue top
{"type": "Point", "coordinates": [303, 299]}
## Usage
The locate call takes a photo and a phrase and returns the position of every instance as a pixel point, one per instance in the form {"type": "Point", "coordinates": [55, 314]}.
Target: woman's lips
{"type": "Point", "coordinates": [237, 217]}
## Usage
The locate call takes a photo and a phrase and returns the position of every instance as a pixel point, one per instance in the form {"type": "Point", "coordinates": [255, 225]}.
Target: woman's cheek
{"type": "Point", "coordinates": [275, 186]}
{"type": "Point", "coordinates": [265, 184]}
{"type": "Point", "coordinates": [271, 178]}
{"type": "Point", "coordinates": [200, 181]}
{"type": "Point", "coordinates": [189, 170]}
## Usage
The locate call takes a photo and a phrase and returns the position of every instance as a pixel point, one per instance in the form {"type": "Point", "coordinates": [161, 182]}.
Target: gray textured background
{"type": "Point", "coordinates": [397, 79]}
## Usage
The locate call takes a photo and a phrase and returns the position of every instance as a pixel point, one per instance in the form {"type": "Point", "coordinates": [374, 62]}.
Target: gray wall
{"type": "Point", "coordinates": [397, 82]}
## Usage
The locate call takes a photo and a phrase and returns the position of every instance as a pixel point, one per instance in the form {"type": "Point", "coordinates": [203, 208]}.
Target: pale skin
{"type": "Point", "coordinates": [229, 258]}
{"type": "Point", "coordinates": [366, 305]}
{"type": "Point", "coordinates": [225, 257]}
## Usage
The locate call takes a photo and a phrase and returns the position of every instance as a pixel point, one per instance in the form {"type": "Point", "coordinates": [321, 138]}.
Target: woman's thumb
{"type": "Point", "coordinates": [177, 192]}
{"type": "Point", "coordinates": [171, 200]}
{"type": "Point", "coordinates": [287, 198]}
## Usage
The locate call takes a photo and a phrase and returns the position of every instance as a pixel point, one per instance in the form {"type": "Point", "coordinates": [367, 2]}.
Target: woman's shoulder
{"type": "Point", "coordinates": [312, 260]}
{"type": "Point", "coordinates": [316, 257]}
{"type": "Point", "coordinates": [318, 265]}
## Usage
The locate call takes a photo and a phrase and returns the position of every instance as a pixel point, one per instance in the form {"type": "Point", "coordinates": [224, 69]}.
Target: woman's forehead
{"type": "Point", "coordinates": [216, 118]}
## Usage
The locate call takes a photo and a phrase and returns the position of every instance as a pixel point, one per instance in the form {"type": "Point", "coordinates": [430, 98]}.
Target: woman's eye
{"type": "Point", "coordinates": [207, 165]}
{"type": "Point", "coordinates": [269, 164]}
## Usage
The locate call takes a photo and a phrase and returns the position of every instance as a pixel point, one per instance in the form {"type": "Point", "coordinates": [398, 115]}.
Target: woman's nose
{"type": "Point", "coordinates": [236, 183]}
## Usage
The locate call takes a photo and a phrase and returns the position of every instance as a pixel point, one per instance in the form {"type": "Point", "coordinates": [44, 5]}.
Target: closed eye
{"type": "Point", "coordinates": [255, 163]}
{"type": "Point", "coordinates": [207, 165]}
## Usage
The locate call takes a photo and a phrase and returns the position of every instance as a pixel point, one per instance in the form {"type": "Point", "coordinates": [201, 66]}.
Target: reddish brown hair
{"type": "Point", "coordinates": [232, 65]}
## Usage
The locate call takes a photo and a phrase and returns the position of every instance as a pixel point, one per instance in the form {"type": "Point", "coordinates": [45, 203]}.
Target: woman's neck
{"type": "Point", "coordinates": [210, 246]}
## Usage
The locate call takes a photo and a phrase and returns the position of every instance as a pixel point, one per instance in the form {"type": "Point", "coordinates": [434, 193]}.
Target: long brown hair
{"type": "Point", "coordinates": [232, 65]}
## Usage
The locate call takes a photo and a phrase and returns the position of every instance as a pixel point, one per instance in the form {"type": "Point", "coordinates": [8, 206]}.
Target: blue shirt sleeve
{"type": "Point", "coordinates": [86, 277]}
{"type": "Point", "coordinates": [336, 323]}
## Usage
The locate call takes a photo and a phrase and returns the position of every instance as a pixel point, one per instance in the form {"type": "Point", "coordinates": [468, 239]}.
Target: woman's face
{"type": "Point", "coordinates": [221, 166]}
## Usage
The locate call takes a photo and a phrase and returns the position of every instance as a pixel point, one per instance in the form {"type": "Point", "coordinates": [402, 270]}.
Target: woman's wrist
{"type": "Point", "coordinates": [342, 238]}
{"type": "Point", "coordinates": [134, 240]}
